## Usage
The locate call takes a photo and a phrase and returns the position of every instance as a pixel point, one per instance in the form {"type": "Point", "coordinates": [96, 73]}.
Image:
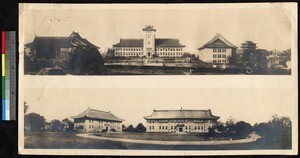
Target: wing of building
{"type": "Point", "coordinates": [58, 48]}
{"type": "Point", "coordinates": [216, 50]}
{"type": "Point", "coordinates": [149, 46]}
{"type": "Point", "coordinates": [97, 121]}
{"type": "Point", "coordinates": [180, 121]}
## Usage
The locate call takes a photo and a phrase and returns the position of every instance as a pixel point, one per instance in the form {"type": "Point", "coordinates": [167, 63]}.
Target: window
{"type": "Point", "coordinates": [163, 127]}
{"type": "Point", "coordinates": [159, 127]}
{"type": "Point", "coordinates": [201, 127]}
{"type": "Point", "coordinates": [195, 127]}
{"type": "Point", "coordinates": [166, 127]}
{"type": "Point", "coordinates": [189, 127]}
{"type": "Point", "coordinates": [171, 127]}
{"type": "Point", "coordinates": [148, 42]}
{"type": "Point", "coordinates": [152, 127]}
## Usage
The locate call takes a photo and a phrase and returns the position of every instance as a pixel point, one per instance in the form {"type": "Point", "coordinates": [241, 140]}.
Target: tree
{"type": "Point", "coordinates": [243, 128]}
{"type": "Point", "coordinates": [34, 122]}
{"type": "Point", "coordinates": [230, 124]}
{"type": "Point", "coordinates": [68, 124]}
{"type": "Point", "coordinates": [219, 126]}
{"type": "Point", "coordinates": [277, 131]}
{"type": "Point", "coordinates": [26, 107]}
{"type": "Point", "coordinates": [56, 125]}
{"type": "Point", "coordinates": [140, 128]}
{"type": "Point", "coordinates": [130, 128]}
{"type": "Point", "coordinates": [86, 61]}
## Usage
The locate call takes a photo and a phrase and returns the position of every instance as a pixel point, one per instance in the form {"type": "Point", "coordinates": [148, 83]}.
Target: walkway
{"type": "Point", "coordinates": [252, 137]}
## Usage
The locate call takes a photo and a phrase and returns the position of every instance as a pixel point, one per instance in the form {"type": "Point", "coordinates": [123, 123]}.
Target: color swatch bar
{"type": "Point", "coordinates": [3, 75]}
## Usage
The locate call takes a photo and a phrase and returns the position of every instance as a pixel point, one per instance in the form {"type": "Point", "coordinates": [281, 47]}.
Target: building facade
{"type": "Point", "coordinates": [180, 121]}
{"type": "Point", "coordinates": [56, 49]}
{"type": "Point", "coordinates": [97, 121]}
{"type": "Point", "coordinates": [217, 50]}
{"type": "Point", "coordinates": [149, 46]}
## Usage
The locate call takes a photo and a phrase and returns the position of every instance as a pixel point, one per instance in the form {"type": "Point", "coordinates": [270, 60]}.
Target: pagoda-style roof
{"type": "Point", "coordinates": [159, 42]}
{"type": "Point", "coordinates": [73, 40]}
{"type": "Point", "coordinates": [218, 42]}
{"type": "Point", "coordinates": [149, 28]}
{"type": "Point", "coordinates": [181, 114]}
{"type": "Point", "coordinates": [97, 114]}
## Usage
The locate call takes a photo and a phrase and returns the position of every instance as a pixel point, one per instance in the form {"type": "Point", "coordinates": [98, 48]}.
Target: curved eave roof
{"type": "Point", "coordinates": [97, 114]}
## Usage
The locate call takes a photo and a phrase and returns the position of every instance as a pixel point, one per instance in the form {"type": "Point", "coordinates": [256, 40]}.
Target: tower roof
{"type": "Point", "coordinates": [149, 28]}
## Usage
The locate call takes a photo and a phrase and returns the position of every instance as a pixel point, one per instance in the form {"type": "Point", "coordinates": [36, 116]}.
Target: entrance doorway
{"type": "Point", "coordinates": [180, 129]}
{"type": "Point", "coordinates": [149, 54]}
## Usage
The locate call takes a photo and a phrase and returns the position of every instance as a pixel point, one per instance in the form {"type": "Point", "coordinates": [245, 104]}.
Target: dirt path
{"type": "Point", "coordinates": [252, 137]}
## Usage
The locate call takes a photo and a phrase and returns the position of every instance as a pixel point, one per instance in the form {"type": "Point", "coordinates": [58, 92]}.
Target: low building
{"type": "Point", "coordinates": [97, 121]}
{"type": "Point", "coordinates": [149, 46]}
{"type": "Point", "coordinates": [217, 50]}
{"type": "Point", "coordinates": [180, 121]}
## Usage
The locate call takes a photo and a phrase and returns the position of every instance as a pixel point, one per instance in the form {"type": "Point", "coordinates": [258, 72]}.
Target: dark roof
{"type": "Point", "coordinates": [149, 28]}
{"type": "Point", "coordinates": [73, 40]}
{"type": "Point", "coordinates": [159, 42]}
{"type": "Point", "coordinates": [97, 114]}
{"type": "Point", "coordinates": [218, 42]}
{"type": "Point", "coordinates": [130, 43]}
{"type": "Point", "coordinates": [167, 42]}
{"type": "Point", "coordinates": [181, 114]}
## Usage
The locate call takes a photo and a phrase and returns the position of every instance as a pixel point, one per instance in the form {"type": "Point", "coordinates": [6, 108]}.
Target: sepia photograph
{"type": "Point", "coordinates": [158, 79]}
{"type": "Point", "coordinates": [156, 41]}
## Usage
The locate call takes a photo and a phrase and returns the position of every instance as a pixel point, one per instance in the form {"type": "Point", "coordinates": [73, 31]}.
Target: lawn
{"type": "Point", "coordinates": [161, 136]}
{"type": "Point", "coordinates": [48, 140]}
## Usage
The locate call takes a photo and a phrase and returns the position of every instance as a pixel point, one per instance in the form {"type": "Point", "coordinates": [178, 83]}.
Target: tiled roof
{"type": "Point", "coordinates": [167, 42]}
{"type": "Point", "coordinates": [181, 114]}
{"type": "Point", "coordinates": [218, 42]}
{"type": "Point", "coordinates": [159, 42]}
{"type": "Point", "coordinates": [97, 114]}
{"type": "Point", "coordinates": [149, 28]}
{"type": "Point", "coordinates": [130, 43]}
{"type": "Point", "coordinates": [73, 40]}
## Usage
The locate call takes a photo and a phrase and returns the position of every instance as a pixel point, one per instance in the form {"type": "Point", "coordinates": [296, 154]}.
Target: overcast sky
{"type": "Point", "coordinates": [193, 25]}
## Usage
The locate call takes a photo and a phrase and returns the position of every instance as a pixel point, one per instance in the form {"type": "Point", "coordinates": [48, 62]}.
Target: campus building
{"type": "Point", "coordinates": [217, 50]}
{"type": "Point", "coordinates": [180, 121]}
{"type": "Point", "coordinates": [97, 121]}
{"type": "Point", "coordinates": [149, 46]}
{"type": "Point", "coordinates": [56, 50]}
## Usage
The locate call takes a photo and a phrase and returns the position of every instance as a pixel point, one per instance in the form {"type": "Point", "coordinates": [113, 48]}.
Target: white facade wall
{"type": "Point", "coordinates": [149, 43]}
{"type": "Point", "coordinates": [129, 51]}
{"type": "Point", "coordinates": [188, 126]}
{"type": "Point", "coordinates": [91, 125]}
{"type": "Point", "coordinates": [215, 55]}
{"type": "Point", "coordinates": [169, 51]}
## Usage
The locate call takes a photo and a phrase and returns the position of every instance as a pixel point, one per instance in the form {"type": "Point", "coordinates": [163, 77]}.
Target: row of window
{"type": "Point", "coordinates": [102, 127]}
{"type": "Point", "coordinates": [173, 127]}
{"type": "Point", "coordinates": [219, 55]}
{"type": "Point", "coordinates": [219, 50]}
{"type": "Point", "coordinates": [219, 61]}
{"type": "Point", "coordinates": [129, 48]}
{"type": "Point", "coordinates": [168, 49]}
{"type": "Point", "coordinates": [128, 53]}
{"type": "Point", "coordinates": [92, 121]}
{"type": "Point", "coordinates": [180, 121]}
{"type": "Point", "coordinates": [169, 53]}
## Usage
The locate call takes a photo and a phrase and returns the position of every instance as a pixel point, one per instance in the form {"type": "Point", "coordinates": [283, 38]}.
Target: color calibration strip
{"type": "Point", "coordinates": [8, 52]}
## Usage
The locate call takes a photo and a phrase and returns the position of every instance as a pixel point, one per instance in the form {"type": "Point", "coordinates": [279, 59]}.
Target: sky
{"type": "Point", "coordinates": [253, 105]}
{"type": "Point", "coordinates": [193, 25]}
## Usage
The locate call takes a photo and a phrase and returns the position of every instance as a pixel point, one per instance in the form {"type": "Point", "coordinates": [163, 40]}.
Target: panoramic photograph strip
{"type": "Point", "coordinates": [156, 41]}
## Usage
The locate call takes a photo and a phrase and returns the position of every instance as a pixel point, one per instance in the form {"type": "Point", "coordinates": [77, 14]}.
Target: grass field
{"type": "Point", "coordinates": [48, 140]}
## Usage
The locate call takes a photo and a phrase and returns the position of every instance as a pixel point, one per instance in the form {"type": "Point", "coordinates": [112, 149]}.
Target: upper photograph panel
{"type": "Point", "coordinates": [69, 39]}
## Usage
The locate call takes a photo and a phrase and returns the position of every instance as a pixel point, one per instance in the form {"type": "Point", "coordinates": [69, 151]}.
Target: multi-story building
{"type": "Point", "coordinates": [97, 121]}
{"type": "Point", "coordinates": [180, 121]}
{"type": "Point", "coordinates": [217, 50]}
{"type": "Point", "coordinates": [149, 46]}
